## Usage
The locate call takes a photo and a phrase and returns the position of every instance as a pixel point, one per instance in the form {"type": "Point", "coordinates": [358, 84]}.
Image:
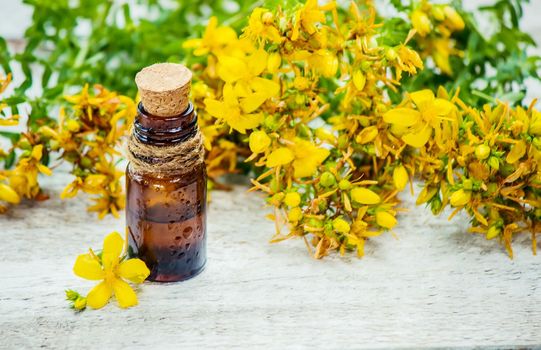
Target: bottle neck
{"type": "Point", "coordinates": [164, 131]}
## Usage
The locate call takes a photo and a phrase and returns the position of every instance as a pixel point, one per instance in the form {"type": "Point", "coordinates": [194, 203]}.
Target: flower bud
{"type": "Point", "coordinates": [435, 205]}
{"type": "Point", "coordinates": [73, 125]}
{"type": "Point", "coordinates": [301, 83]}
{"type": "Point", "coordinates": [386, 220]}
{"type": "Point", "coordinates": [437, 13]}
{"type": "Point", "coordinates": [267, 18]}
{"type": "Point", "coordinates": [7, 194]}
{"type": "Point", "coordinates": [295, 214]}
{"type": "Point", "coordinates": [494, 163]}
{"type": "Point", "coordinates": [259, 141]}
{"type": "Point", "coordinates": [421, 22]}
{"type": "Point", "coordinates": [292, 199]}
{"type": "Point", "coordinates": [79, 304]}
{"type": "Point", "coordinates": [364, 196]}
{"type": "Point", "coordinates": [24, 144]}
{"type": "Point", "coordinates": [482, 152]}
{"type": "Point", "coordinates": [325, 135]}
{"type": "Point", "coordinates": [340, 225]}
{"type": "Point", "coordinates": [400, 177]}
{"type": "Point", "coordinates": [454, 18]}
{"type": "Point", "coordinates": [277, 199]}
{"type": "Point", "coordinates": [327, 179]}
{"type": "Point", "coordinates": [391, 54]}
{"type": "Point", "coordinates": [460, 198]}
{"type": "Point", "coordinates": [493, 232]}
{"type": "Point", "coordinates": [344, 185]}
{"type": "Point", "coordinates": [273, 62]}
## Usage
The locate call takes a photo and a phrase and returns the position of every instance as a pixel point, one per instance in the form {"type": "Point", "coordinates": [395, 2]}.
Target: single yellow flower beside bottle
{"type": "Point", "coordinates": [113, 270]}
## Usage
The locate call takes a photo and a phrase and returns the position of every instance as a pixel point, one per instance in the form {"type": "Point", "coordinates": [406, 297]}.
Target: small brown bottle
{"type": "Point", "coordinates": [166, 177]}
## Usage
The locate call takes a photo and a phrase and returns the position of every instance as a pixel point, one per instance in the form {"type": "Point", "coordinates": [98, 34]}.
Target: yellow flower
{"type": "Point", "coordinates": [420, 22]}
{"type": "Point", "coordinates": [259, 141]}
{"type": "Point", "coordinates": [364, 196]}
{"type": "Point", "coordinates": [420, 123]}
{"type": "Point", "coordinates": [214, 39]}
{"type": "Point", "coordinates": [108, 203]}
{"type": "Point", "coordinates": [456, 22]}
{"type": "Point", "coordinates": [308, 16]}
{"type": "Point", "coordinates": [229, 110]}
{"type": "Point", "coordinates": [24, 178]}
{"type": "Point", "coordinates": [307, 158]}
{"type": "Point", "coordinates": [385, 219]}
{"type": "Point", "coordinates": [400, 177]}
{"type": "Point", "coordinates": [460, 198]}
{"type": "Point", "coordinates": [407, 60]}
{"type": "Point", "coordinates": [280, 156]}
{"type": "Point", "coordinates": [260, 26]}
{"type": "Point", "coordinates": [113, 270]}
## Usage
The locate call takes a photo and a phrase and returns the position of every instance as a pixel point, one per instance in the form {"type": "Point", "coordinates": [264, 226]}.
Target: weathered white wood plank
{"type": "Point", "coordinates": [435, 286]}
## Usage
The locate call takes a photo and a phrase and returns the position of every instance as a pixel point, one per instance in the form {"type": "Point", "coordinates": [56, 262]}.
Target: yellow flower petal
{"type": "Point", "coordinates": [384, 219]}
{"type": "Point", "coordinates": [242, 122]}
{"type": "Point", "coordinates": [269, 87]}
{"type": "Point", "coordinates": [367, 135]}
{"type": "Point", "coordinates": [422, 98]}
{"type": "Point", "coordinates": [517, 151]}
{"type": "Point", "coordinates": [441, 107]}
{"type": "Point", "coordinates": [124, 294]}
{"type": "Point", "coordinates": [402, 116]}
{"type": "Point", "coordinates": [231, 69]}
{"type": "Point", "coordinates": [37, 152]}
{"type": "Point", "coordinates": [307, 158]}
{"type": "Point", "coordinates": [418, 139]}
{"type": "Point", "coordinates": [44, 170]}
{"type": "Point", "coordinates": [257, 62]}
{"type": "Point", "coordinates": [7, 194]}
{"type": "Point", "coordinates": [113, 245]}
{"type": "Point", "coordinates": [364, 196]}
{"type": "Point", "coordinates": [133, 270]}
{"type": "Point", "coordinates": [280, 156]}
{"type": "Point", "coordinates": [252, 102]}
{"type": "Point", "coordinates": [215, 108]}
{"type": "Point", "coordinates": [87, 267]}
{"type": "Point", "coordinates": [99, 296]}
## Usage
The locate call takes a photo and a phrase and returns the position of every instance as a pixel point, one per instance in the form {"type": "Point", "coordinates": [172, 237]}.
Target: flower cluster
{"type": "Point", "coordinates": [485, 162]}
{"type": "Point", "coordinates": [88, 136]}
{"type": "Point", "coordinates": [435, 25]}
{"type": "Point", "coordinates": [304, 90]}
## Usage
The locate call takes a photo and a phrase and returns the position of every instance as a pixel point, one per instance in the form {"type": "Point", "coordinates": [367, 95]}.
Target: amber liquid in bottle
{"type": "Point", "coordinates": [166, 214]}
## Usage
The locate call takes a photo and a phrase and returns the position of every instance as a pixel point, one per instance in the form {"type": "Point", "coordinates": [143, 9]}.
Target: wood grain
{"type": "Point", "coordinates": [435, 285]}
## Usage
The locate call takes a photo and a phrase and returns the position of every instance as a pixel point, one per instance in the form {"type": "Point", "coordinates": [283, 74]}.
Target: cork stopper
{"type": "Point", "coordinates": [164, 88]}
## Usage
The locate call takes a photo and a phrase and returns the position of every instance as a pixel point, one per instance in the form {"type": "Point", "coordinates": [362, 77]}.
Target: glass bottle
{"type": "Point", "coordinates": [166, 213]}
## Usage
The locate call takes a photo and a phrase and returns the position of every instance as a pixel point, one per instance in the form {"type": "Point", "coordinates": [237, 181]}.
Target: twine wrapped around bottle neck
{"type": "Point", "coordinates": [178, 159]}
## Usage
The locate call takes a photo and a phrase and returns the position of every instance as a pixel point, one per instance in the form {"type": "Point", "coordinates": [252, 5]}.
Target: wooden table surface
{"type": "Point", "coordinates": [435, 285]}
